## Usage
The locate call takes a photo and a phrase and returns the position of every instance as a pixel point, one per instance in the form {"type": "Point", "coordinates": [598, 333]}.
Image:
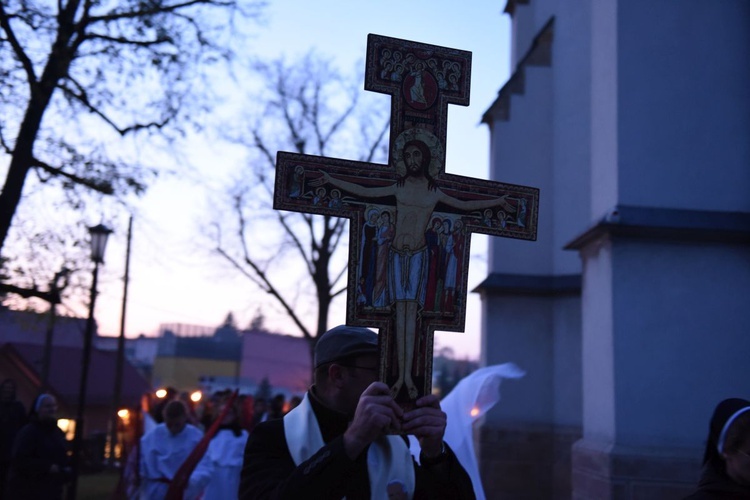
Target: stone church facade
{"type": "Point", "coordinates": [630, 311]}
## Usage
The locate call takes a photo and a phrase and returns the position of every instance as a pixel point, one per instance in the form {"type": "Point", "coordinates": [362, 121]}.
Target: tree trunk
{"type": "Point", "coordinates": [58, 64]}
{"type": "Point", "coordinates": [20, 164]}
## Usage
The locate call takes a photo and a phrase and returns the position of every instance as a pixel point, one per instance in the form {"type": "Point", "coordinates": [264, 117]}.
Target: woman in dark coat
{"type": "Point", "coordinates": [12, 419]}
{"type": "Point", "coordinates": [40, 466]}
{"type": "Point", "coordinates": [726, 462]}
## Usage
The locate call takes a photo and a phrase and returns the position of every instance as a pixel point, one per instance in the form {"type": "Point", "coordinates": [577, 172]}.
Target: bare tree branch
{"type": "Point", "coordinates": [104, 187]}
{"type": "Point", "coordinates": [28, 66]}
{"type": "Point", "coordinates": [155, 10]}
{"type": "Point", "coordinates": [127, 41]}
{"type": "Point", "coordinates": [304, 112]}
{"type": "Point", "coordinates": [259, 277]}
{"type": "Point", "coordinates": [82, 97]}
{"type": "Point", "coordinates": [71, 65]}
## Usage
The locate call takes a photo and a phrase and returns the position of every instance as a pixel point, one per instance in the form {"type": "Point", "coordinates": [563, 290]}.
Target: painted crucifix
{"type": "Point", "coordinates": [410, 222]}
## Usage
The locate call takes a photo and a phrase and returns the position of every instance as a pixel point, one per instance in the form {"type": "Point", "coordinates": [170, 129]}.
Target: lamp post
{"type": "Point", "coordinates": [99, 235]}
{"type": "Point", "coordinates": [120, 355]}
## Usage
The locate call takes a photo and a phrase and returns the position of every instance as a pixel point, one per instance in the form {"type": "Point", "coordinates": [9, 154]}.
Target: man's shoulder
{"type": "Point", "coordinates": [267, 433]}
{"type": "Point", "coordinates": [269, 427]}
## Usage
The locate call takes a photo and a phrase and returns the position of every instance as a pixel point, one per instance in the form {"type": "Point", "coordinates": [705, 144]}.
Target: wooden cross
{"type": "Point", "coordinates": [410, 222]}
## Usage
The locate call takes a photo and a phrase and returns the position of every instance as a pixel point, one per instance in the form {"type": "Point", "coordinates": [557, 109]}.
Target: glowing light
{"type": "Point", "coordinates": [161, 393]}
{"type": "Point", "coordinates": [474, 412]}
{"type": "Point", "coordinates": [196, 396]}
{"type": "Point", "coordinates": [68, 426]}
{"type": "Point", "coordinates": [124, 413]}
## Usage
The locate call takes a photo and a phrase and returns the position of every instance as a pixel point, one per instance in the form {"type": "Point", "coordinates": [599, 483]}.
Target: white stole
{"type": "Point", "coordinates": [388, 458]}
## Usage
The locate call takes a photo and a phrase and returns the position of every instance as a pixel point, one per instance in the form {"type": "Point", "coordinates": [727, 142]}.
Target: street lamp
{"type": "Point", "coordinates": [99, 235]}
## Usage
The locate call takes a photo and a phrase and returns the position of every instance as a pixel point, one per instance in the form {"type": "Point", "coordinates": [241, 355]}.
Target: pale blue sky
{"type": "Point", "coordinates": [169, 284]}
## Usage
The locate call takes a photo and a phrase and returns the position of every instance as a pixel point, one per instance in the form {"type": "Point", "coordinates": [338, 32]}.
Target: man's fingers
{"type": "Point", "coordinates": [430, 400]}
{"type": "Point", "coordinates": [379, 393]}
{"type": "Point", "coordinates": [427, 411]}
{"type": "Point", "coordinates": [376, 388]}
{"type": "Point", "coordinates": [424, 422]}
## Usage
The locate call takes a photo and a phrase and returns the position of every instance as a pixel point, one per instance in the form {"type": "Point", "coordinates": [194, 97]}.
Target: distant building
{"type": "Point", "coordinates": [22, 340]}
{"type": "Point", "coordinates": [187, 354]}
{"type": "Point", "coordinates": [140, 351]}
{"type": "Point", "coordinates": [31, 328]}
{"type": "Point", "coordinates": [282, 359]}
{"type": "Point", "coordinates": [22, 362]}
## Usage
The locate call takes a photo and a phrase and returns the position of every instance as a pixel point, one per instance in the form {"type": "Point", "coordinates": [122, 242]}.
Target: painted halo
{"type": "Point", "coordinates": [437, 152]}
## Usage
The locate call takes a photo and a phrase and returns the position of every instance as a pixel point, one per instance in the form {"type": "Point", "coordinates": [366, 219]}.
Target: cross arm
{"type": "Point", "coordinates": [351, 187]}
{"type": "Point", "coordinates": [474, 204]}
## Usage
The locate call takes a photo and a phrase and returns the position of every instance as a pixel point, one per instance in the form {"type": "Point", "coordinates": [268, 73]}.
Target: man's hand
{"type": "Point", "coordinates": [427, 423]}
{"type": "Point", "coordinates": [376, 412]}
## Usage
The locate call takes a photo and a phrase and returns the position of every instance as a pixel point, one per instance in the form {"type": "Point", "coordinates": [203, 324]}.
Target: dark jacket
{"type": "Point", "coordinates": [37, 447]}
{"type": "Point", "coordinates": [716, 485]}
{"type": "Point", "coordinates": [268, 471]}
{"type": "Point", "coordinates": [12, 418]}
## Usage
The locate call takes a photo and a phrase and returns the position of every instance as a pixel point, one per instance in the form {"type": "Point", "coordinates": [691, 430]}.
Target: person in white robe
{"type": "Point", "coordinates": [223, 459]}
{"type": "Point", "coordinates": [164, 449]}
{"type": "Point", "coordinates": [472, 397]}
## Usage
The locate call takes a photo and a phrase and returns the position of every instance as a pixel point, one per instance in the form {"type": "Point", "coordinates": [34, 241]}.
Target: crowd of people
{"type": "Point", "coordinates": [177, 427]}
{"type": "Point", "coordinates": [250, 410]}
{"type": "Point", "coordinates": [345, 438]}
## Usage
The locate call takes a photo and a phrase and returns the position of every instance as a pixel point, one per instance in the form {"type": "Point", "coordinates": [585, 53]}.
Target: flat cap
{"type": "Point", "coordinates": [344, 341]}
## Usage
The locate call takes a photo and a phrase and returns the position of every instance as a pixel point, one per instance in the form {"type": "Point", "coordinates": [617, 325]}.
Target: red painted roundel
{"type": "Point", "coordinates": [419, 89]}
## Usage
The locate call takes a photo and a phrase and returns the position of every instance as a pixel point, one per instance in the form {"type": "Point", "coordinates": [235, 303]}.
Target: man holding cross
{"type": "Point", "coordinates": [416, 197]}
{"type": "Point", "coordinates": [335, 443]}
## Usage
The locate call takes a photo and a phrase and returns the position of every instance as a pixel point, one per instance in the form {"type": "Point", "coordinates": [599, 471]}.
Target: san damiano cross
{"type": "Point", "coordinates": [410, 222]}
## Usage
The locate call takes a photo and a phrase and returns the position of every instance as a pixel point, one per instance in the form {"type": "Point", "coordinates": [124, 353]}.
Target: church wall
{"type": "Point", "coordinates": [526, 441]}
{"type": "Point", "coordinates": [520, 330]}
{"type": "Point", "coordinates": [548, 129]}
{"type": "Point", "coordinates": [541, 333]}
{"type": "Point", "coordinates": [523, 31]}
{"type": "Point", "coordinates": [604, 85]}
{"type": "Point", "coordinates": [598, 344]}
{"type": "Point", "coordinates": [665, 282]}
{"type": "Point", "coordinates": [566, 376]}
{"type": "Point", "coordinates": [571, 170]}
{"type": "Point", "coordinates": [650, 111]}
{"type": "Point", "coordinates": [686, 69]}
{"type": "Point", "coordinates": [528, 19]}
{"type": "Point", "coordinates": [663, 341]}
{"type": "Point", "coordinates": [680, 313]}
{"type": "Point", "coordinates": [531, 118]}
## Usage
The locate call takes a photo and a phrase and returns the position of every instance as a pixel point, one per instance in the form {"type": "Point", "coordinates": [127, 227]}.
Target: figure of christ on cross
{"type": "Point", "coordinates": [417, 195]}
{"type": "Point", "coordinates": [402, 281]}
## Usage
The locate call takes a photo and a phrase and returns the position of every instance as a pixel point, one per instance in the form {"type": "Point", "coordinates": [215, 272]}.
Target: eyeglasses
{"type": "Point", "coordinates": [368, 368]}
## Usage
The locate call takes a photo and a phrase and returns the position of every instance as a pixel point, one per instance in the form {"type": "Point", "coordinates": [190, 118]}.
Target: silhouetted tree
{"type": "Point", "coordinates": [308, 107]}
{"type": "Point", "coordinates": [74, 75]}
